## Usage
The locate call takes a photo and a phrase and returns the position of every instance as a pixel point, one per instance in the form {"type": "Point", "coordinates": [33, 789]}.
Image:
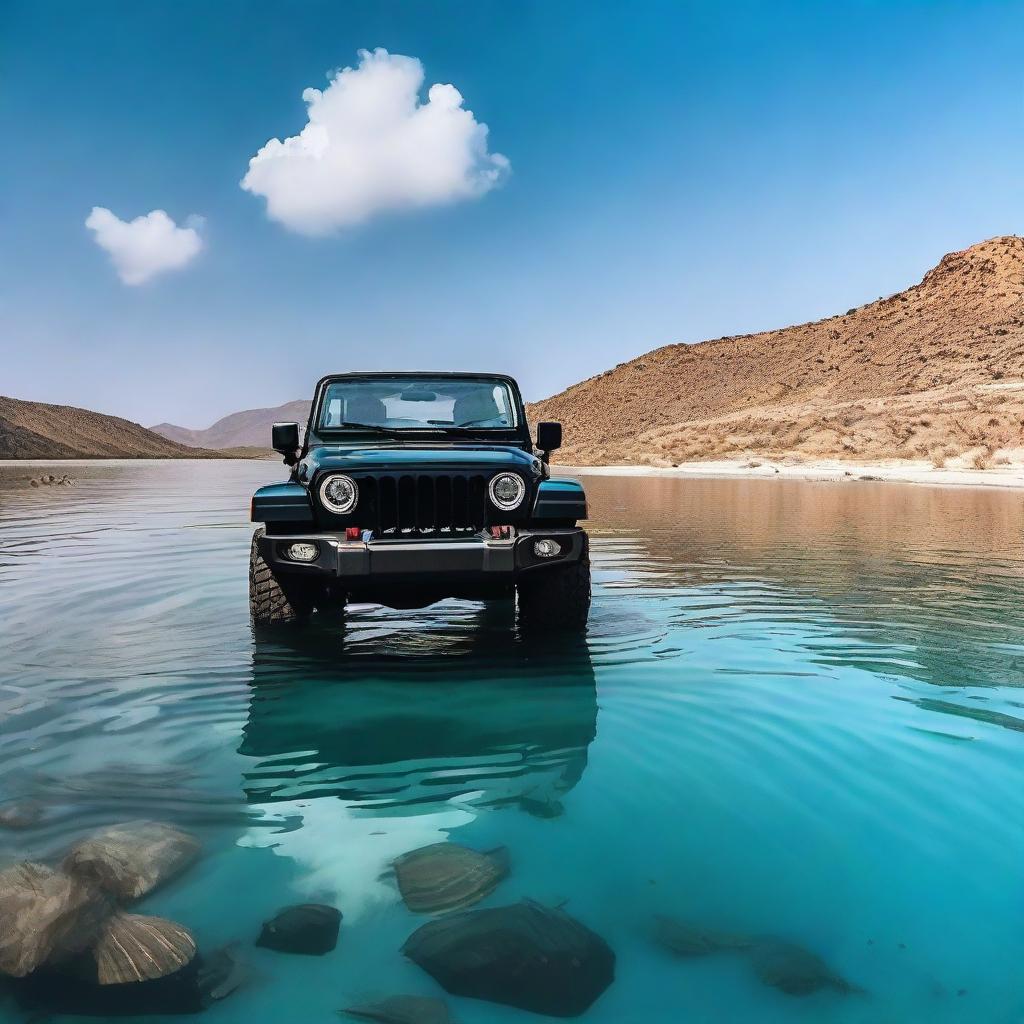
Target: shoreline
{"type": "Point", "coordinates": [917, 472]}
{"type": "Point", "coordinates": [820, 471]}
{"type": "Point", "coordinates": [119, 460]}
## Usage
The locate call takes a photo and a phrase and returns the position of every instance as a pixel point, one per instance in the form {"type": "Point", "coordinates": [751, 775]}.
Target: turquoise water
{"type": "Point", "coordinates": [798, 711]}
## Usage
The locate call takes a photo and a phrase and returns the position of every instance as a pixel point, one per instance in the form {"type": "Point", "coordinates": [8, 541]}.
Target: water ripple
{"type": "Point", "coordinates": [797, 710]}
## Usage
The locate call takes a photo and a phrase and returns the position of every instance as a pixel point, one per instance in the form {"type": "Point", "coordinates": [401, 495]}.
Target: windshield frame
{"type": "Point", "coordinates": [518, 434]}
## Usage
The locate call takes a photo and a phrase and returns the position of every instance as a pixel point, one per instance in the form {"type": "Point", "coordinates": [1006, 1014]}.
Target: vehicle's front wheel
{"type": "Point", "coordinates": [555, 598]}
{"type": "Point", "coordinates": [272, 600]}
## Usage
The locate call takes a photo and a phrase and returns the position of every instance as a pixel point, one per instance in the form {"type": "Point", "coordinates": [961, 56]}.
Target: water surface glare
{"type": "Point", "coordinates": [798, 712]}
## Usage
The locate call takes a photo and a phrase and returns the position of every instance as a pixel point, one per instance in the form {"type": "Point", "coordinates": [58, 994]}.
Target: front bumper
{"type": "Point", "coordinates": [422, 560]}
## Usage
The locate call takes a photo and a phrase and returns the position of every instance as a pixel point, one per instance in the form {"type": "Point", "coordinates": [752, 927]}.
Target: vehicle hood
{"type": "Point", "coordinates": [418, 458]}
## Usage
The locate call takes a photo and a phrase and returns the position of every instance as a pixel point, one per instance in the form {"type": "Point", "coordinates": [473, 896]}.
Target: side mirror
{"type": "Point", "coordinates": [285, 440]}
{"type": "Point", "coordinates": [549, 437]}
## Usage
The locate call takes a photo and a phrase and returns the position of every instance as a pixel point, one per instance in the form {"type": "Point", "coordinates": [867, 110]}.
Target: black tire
{"type": "Point", "coordinates": [556, 599]}
{"type": "Point", "coordinates": [272, 600]}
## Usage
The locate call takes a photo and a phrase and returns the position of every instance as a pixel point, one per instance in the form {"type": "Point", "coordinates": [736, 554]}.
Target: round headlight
{"type": "Point", "coordinates": [507, 491]}
{"type": "Point", "coordinates": [339, 494]}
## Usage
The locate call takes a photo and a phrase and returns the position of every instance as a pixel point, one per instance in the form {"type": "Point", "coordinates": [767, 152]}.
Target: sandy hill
{"type": "Point", "coordinates": [936, 371]}
{"type": "Point", "coordinates": [241, 429]}
{"type": "Point", "coordinates": [35, 430]}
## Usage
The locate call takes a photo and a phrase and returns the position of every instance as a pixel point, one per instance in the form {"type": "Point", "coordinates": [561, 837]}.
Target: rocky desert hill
{"type": "Point", "coordinates": [36, 430]}
{"type": "Point", "coordinates": [250, 428]}
{"type": "Point", "coordinates": [936, 372]}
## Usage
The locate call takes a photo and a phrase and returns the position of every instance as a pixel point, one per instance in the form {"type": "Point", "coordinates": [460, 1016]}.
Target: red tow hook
{"type": "Point", "coordinates": [352, 533]}
{"type": "Point", "coordinates": [501, 532]}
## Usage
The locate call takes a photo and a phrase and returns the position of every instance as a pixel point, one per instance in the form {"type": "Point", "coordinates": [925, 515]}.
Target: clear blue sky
{"type": "Point", "coordinates": [678, 171]}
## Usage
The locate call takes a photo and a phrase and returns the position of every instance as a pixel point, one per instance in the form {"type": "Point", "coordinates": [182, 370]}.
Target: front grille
{"type": "Point", "coordinates": [423, 504]}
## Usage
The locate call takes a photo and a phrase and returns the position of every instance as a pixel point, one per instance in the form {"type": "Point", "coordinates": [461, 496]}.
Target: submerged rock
{"type": "Point", "coordinates": [45, 913]}
{"type": "Point", "coordinates": [795, 970]}
{"type": "Point", "coordinates": [446, 876]}
{"type": "Point", "coordinates": [51, 918]}
{"type": "Point", "coordinates": [403, 1010]}
{"type": "Point", "coordinates": [309, 928]}
{"type": "Point", "coordinates": [48, 480]}
{"type": "Point", "coordinates": [133, 948]}
{"type": "Point", "coordinates": [222, 972]}
{"type": "Point", "coordinates": [691, 941]}
{"type": "Point", "coordinates": [69, 990]}
{"type": "Point", "coordinates": [19, 814]}
{"type": "Point", "coordinates": [524, 955]}
{"type": "Point", "coordinates": [132, 859]}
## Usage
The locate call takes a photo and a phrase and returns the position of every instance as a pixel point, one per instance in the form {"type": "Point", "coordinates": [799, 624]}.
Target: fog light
{"type": "Point", "coordinates": [304, 552]}
{"type": "Point", "coordinates": [546, 548]}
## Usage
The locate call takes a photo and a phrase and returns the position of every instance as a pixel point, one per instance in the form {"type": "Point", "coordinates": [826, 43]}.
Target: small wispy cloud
{"type": "Point", "coordinates": [371, 146]}
{"type": "Point", "coordinates": [141, 249]}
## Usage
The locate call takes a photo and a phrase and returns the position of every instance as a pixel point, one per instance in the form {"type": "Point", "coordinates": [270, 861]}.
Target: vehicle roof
{"type": "Point", "coordinates": [455, 374]}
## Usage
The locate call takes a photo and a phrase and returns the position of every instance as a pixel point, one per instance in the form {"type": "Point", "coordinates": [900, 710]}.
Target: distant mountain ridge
{"type": "Point", "coordinates": [247, 429]}
{"type": "Point", "coordinates": [933, 372]}
{"type": "Point", "coordinates": [38, 430]}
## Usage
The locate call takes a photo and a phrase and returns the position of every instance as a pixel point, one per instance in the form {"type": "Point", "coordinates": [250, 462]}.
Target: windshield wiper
{"type": "Point", "coordinates": [485, 424]}
{"type": "Point", "coordinates": [448, 425]}
{"type": "Point", "coordinates": [375, 427]}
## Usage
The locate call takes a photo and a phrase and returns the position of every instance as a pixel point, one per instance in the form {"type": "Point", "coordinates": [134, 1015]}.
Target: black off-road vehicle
{"type": "Point", "coordinates": [413, 487]}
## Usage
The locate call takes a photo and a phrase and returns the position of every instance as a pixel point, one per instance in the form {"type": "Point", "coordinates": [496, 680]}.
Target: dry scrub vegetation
{"type": "Point", "coordinates": [934, 373]}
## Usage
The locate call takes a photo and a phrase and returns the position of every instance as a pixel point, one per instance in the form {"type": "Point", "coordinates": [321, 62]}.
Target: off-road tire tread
{"type": "Point", "coordinates": [269, 602]}
{"type": "Point", "coordinates": [556, 598]}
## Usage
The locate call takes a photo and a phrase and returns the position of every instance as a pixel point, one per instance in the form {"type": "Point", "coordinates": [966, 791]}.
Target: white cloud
{"type": "Point", "coordinates": [370, 145]}
{"type": "Point", "coordinates": [147, 246]}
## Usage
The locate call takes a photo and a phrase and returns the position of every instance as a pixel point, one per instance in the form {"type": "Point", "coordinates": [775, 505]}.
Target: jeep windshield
{"type": "Point", "coordinates": [390, 404]}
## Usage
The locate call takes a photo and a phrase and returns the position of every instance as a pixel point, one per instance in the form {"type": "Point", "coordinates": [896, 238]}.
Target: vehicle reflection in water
{"type": "Point", "coordinates": [393, 713]}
